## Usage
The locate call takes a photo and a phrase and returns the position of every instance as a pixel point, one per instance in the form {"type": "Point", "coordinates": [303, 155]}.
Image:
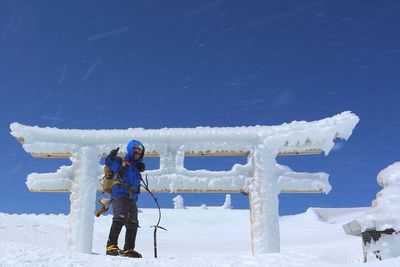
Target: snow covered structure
{"type": "Point", "coordinates": [178, 202]}
{"type": "Point", "coordinates": [228, 202]}
{"type": "Point", "coordinates": [261, 177]}
{"type": "Point", "coordinates": [380, 226]}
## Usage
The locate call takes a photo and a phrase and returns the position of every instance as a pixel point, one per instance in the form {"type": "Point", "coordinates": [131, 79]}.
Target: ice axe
{"type": "Point", "coordinates": [145, 185]}
{"type": "Point", "coordinates": [105, 205]}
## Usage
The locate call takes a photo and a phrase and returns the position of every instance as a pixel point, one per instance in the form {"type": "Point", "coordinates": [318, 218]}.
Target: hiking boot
{"type": "Point", "coordinates": [131, 253]}
{"type": "Point", "coordinates": [113, 250]}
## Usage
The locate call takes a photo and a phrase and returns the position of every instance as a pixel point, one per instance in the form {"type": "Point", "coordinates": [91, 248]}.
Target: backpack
{"type": "Point", "coordinates": [109, 181]}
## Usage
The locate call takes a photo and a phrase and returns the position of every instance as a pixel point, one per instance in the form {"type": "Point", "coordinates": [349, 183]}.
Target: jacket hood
{"type": "Point", "coordinates": [129, 150]}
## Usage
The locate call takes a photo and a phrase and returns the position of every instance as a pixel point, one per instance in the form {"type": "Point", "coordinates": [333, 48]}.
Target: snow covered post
{"type": "Point", "coordinates": [178, 202]}
{"type": "Point", "coordinates": [83, 193]}
{"type": "Point", "coordinates": [264, 203]}
{"type": "Point", "coordinates": [171, 159]}
{"type": "Point", "coordinates": [228, 202]}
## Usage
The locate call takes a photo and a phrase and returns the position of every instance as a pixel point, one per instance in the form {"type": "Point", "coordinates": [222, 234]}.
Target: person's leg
{"type": "Point", "coordinates": [131, 225]}
{"type": "Point", "coordinates": [120, 212]}
{"type": "Point", "coordinates": [130, 238]}
{"type": "Point", "coordinates": [115, 230]}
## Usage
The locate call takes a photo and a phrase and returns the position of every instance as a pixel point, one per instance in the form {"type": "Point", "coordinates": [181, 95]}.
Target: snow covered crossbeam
{"type": "Point", "coordinates": [298, 137]}
{"type": "Point", "coordinates": [182, 180]}
{"type": "Point", "coordinates": [261, 177]}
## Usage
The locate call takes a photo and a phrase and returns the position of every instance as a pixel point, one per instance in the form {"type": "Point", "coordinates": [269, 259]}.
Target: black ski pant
{"type": "Point", "coordinates": [124, 214]}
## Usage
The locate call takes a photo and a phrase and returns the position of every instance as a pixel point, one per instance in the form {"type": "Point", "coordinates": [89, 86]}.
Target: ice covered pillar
{"type": "Point", "coordinates": [83, 195]}
{"type": "Point", "coordinates": [264, 203]}
{"type": "Point", "coordinates": [171, 159]}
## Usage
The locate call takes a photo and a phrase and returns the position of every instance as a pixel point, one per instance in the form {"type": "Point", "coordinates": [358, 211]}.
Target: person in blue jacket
{"type": "Point", "coordinates": [124, 194]}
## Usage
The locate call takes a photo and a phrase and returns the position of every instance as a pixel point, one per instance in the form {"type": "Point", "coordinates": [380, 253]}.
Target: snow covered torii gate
{"type": "Point", "coordinates": [261, 177]}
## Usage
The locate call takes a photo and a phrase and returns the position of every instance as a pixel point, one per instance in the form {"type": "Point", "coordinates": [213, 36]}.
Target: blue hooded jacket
{"type": "Point", "coordinates": [129, 175]}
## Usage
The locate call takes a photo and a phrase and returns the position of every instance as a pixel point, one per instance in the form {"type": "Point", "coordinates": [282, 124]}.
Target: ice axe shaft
{"type": "Point", "coordinates": [146, 186]}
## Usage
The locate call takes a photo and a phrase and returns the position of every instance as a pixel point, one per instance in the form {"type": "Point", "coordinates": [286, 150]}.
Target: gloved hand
{"type": "Point", "coordinates": [113, 153]}
{"type": "Point", "coordinates": [140, 165]}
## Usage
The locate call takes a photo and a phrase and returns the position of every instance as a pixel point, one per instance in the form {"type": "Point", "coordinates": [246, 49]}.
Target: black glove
{"type": "Point", "coordinates": [113, 153]}
{"type": "Point", "coordinates": [140, 165]}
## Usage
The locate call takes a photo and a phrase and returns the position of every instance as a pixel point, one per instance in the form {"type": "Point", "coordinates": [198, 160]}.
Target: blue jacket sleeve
{"type": "Point", "coordinates": [113, 164]}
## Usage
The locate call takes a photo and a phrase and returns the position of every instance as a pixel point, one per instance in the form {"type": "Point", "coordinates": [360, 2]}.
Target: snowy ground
{"type": "Point", "coordinates": [195, 237]}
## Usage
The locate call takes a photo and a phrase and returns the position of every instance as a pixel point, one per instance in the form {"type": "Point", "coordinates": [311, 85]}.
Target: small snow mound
{"type": "Point", "coordinates": [337, 214]}
{"type": "Point", "coordinates": [312, 214]}
{"type": "Point", "coordinates": [307, 217]}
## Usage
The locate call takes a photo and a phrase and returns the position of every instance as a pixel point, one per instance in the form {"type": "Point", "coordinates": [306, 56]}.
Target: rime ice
{"type": "Point", "coordinates": [385, 213]}
{"type": "Point", "coordinates": [178, 202]}
{"type": "Point", "coordinates": [386, 207]}
{"type": "Point", "coordinates": [261, 177]}
{"type": "Point", "coordinates": [227, 204]}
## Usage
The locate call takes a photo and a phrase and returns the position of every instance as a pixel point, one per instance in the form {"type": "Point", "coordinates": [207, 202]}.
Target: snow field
{"type": "Point", "coordinates": [195, 237]}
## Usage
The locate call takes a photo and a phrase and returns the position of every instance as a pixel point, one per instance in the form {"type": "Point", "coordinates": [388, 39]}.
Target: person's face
{"type": "Point", "coordinates": [137, 151]}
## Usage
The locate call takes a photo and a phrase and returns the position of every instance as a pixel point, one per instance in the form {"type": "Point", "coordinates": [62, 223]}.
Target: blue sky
{"type": "Point", "coordinates": [154, 64]}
